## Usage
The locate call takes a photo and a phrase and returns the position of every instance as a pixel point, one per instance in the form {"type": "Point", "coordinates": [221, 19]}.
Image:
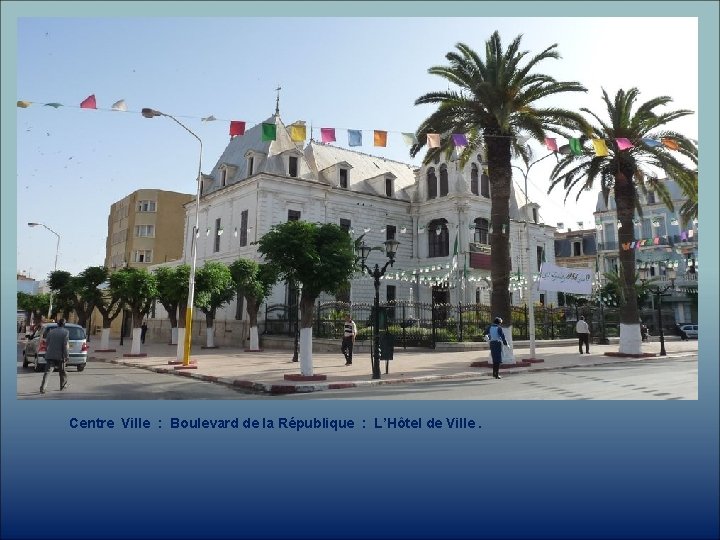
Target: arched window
{"type": "Point", "coordinates": [482, 226]}
{"type": "Point", "coordinates": [485, 185]}
{"type": "Point", "coordinates": [431, 183]}
{"type": "Point", "coordinates": [443, 180]}
{"type": "Point", "coordinates": [438, 238]}
{"type": "Point", "coordinates": [474, 189]}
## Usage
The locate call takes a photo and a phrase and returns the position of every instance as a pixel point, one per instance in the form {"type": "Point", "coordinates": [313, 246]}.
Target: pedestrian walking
{"type": "Point", "coordinates": [348, 340]}
{"type": "Point", "coordinates": [56, 354]}
{"type": "Point", "coordinates": [143, 331]}
{"type": "Point", "coordinates": [583, 333]}
{"type": "Point", "coordinates": [497, 340]}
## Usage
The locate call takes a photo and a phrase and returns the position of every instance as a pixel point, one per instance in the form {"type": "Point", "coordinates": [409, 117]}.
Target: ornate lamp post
{"type": "Point", "coordinates": [659, 292]}
{"type": "Point", "coordinates": [57, 250]}
{"type": "Point", "coordinates": [376, 273]}
{"type": "Point", "coordinates": [187, 342]}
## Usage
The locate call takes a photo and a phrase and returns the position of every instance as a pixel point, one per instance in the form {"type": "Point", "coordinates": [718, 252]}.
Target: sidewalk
{"type": "Point", "coordinates": [265, 371]}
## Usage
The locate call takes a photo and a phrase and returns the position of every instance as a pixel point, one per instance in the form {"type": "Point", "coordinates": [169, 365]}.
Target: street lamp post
{"type": "Point", "coordinates": [187, 342]}
{"type": "Point", "coordinates": [659, 292]}
{"type": "Point", "coordinates": [57, 250]}
{"type": "Point", "coordinates": [376, 273]}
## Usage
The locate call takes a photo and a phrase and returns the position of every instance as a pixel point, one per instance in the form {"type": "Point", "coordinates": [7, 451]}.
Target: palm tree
{"type": "Point", "coordinates": [625, 172]}
{"type": "Point", "coordinates": [495, 105]}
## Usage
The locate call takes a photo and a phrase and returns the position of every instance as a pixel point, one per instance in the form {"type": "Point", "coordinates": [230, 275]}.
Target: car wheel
{"type": "Point", "coordinates": [81, 368]}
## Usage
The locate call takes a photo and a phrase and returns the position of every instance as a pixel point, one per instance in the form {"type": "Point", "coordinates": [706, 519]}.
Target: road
{"type": "Point", "coordinates": [661, 379]}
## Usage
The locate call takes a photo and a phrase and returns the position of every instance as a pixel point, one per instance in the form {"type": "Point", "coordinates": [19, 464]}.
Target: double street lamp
{"type": "Point", "coordinates": [187, 342]}
{"type": "Point", "coordinates": [57, 250]}
{"type": "Point", "coordinates": [363, 251]}
{"type": "Point", "coordinates": [659, 292]}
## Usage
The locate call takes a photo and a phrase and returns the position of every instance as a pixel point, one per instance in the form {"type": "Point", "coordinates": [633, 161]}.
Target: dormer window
{"type": "Point", "coordinates": [535, 215]}
{"type": "Point", "coordinates": [250, 165]}
{"type": "Point", "coordinates": [344, 178]}
{"type": "Point", "coordinates": [223, 177]}
{"type": "Point", "coordinates": [293, 166]}
{"type": "Point", "coordinates": [389, 187]}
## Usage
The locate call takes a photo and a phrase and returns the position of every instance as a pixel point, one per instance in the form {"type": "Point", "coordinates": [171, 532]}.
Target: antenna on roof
{"type": "Point", "coordinates": [277, 101]}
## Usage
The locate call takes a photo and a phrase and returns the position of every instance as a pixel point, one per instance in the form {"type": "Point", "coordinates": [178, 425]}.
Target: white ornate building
{"type": "Point", "coordinates": [256, 184]}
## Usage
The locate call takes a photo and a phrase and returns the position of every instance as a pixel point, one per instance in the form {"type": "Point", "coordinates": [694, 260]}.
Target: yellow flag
{"type": "Point", "coordinates": [380, 138]}
{"type": "Point", "coordinates": [669, 143]}
{"type": "Point", "coordinates": [298, 132]}
{"type": "Point", "coordinates": [600, 147]}
{"type": "Point", "coordinates": [23, 104]}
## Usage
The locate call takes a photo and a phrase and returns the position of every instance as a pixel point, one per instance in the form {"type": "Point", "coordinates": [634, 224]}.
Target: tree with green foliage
{"type": "Point", "coordinates": [137, 289]}
{"type": "Point", "coordinates": [255, 282]}
{"type": "Point", "coordinates": [61, 285]}
{"type": "Point", "coordinates": [320, 257]}
{"type": "Point", "coordinates": [87, 294]}
{"type": "Point", "coordinates": [625, 172]}
{"type": "Point", "coordinates": [35, 306]}
{"type": "Point", "coordinates": [172, 286]}
{"type": "Point", "coordinates": [110, 306]}
{"type": "Point", "coordinates": [496, 103]}
{"type": "Point", "coordinates": [214, 287]}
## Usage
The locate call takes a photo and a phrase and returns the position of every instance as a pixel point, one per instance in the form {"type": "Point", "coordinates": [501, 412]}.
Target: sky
{"type": "Point", "coordinates": [347, 73]}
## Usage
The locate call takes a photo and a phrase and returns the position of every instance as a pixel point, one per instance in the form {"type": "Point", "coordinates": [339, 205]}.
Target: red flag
{"type": "Point", "coordinates": [89, 103]}
{"type": "Point", "coordinates": [237, 128]}
{"type": "Point", "coordinates": [551, 144]}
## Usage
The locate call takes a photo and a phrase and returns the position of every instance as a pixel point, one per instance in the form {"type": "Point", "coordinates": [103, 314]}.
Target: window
{"type": "Point", "coordinates": [651, 197]}
{"type": "Point", "coordinates": [474, 173]}
{"type": "Point", "coordinates": [145, 230]}
{"type": "Point", "coordinates": [438, 238]}
{"type": "Point", "coordinates": [345, 224]}
{"type": "Point", "coordinates": [535, 215]}
{"type": "Point", "coordinates": [239, 304]}
{"type": "Point", "coordinates": [443, 180]}
{"type": "Point", "coordinates": [243, 228]}
{"type": "Point", "coordinates": [646, 228]}
{"type": "Point", "coordinates": [143, 256]}
{"type": "Point", "coordinates": [390, 232]}
{"type": "Point", "coordinates": [146, 206]}
{"type": "Point", "coordinates": [344, 178]}
{"type": "Point", "coordinates": [250, 165]}
{"type": "Point", "coordinates": [485, 185]}
{"type": "Point", "coordinates": [293, 166]}
{"type": "Point", "coordinates": [218, 232]}
{"type": "Point", "coordinates": [577, 249]}
{"type": "Point", "coordinates": [431, 183]}
{"type": "Point", "coordinates": [540, 256]}
{"type": "Point", "coordinates": [293, 215]}
{"type": "Point", "coordinates": [223, 177]}
{"type": "Point", "coordinates": [388, 187]}
{"type": "Point", "coordinates": [482, 227]}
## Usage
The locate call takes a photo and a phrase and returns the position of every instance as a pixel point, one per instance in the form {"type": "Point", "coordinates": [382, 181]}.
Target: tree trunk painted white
{"type": "Point", "coordinates": [180, 344]}
{"type": "Point", "coordinates": [254, 339]}
{"type": "Point", "coordinates": [135, 347]}
{"type": "Point", "coordinates": [508, 337]}
{"type": "Point", "coordinates": [630, 339]}
{"type": "Point", "coordinates": [105, 339]}
{"type": "Point", "coordinates": [173, 335]}
{"type": "Point", "coordinates": [210, 333]}
{"type": "Point", "coordinates": [306, 364]}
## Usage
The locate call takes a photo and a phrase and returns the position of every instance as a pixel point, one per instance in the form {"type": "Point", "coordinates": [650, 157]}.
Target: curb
{"type": "Point", "coordinates": [280, 389]}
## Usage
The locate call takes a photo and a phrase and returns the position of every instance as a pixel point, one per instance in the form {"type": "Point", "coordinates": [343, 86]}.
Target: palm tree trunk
{"type": "Point", "coordinates": [630, 338]}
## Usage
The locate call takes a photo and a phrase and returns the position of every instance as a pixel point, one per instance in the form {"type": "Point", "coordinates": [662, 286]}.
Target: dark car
{"type": "Point", "coordinates": [36, 346]}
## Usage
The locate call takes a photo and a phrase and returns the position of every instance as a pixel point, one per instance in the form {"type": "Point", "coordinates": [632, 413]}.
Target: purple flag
{"type": "Point", "coordinates": [459, 139]}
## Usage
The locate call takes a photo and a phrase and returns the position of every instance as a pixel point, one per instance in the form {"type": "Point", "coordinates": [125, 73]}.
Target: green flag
{"type": "Point", "coordinates": [269, 131]}
{"type": "Point", "coordinates": [455, 253]}
{"type": "Point", "coordinates": [576, 147]}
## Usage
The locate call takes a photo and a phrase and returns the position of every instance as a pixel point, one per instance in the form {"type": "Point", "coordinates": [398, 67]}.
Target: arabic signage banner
{"type": "Point", "coordinates": [567, 280]}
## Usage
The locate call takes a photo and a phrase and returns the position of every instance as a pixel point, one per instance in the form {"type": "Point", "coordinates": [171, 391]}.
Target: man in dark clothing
{"type": "Point", "coordinates": [56, 354]}
{"type": "Point", "coordinates": [497, 340]}
{"type": "Point", "coordinates": [143, 331]}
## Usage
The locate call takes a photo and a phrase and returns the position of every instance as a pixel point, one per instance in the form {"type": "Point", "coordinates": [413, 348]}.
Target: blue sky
{"type": "Point", "coordinates": [347, 73]}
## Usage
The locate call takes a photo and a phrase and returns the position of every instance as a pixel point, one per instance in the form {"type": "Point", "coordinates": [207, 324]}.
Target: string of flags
{"type": "Point", "coordinates": [299, 133]}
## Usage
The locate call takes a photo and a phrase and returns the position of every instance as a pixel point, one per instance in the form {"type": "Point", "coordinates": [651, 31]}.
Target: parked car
{"type": "Point", "coordinates": [688, 331]}
{"type": "Point", "coordinates": [34, 352]}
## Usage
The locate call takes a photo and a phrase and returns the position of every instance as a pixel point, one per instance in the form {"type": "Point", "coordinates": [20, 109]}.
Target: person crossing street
{"type": "Point", "coordinates": [56, 354]}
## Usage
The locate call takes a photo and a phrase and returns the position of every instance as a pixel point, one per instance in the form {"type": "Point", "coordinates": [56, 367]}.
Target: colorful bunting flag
{"type": "Point", "coordinates": [576, 147]}
{"type": "Point", "coordinates": [433, 140]}
{"type": "Point", "coordinates": [119, 106]}
{"type": "Point", "coordinates": [551, 144]}
{"type": "Point", "coordinates": [269, 132]}
{"type": "Point", "coordinates": [626, 246]}
{"type": "Point", "coordinates": [623, 143]}
{"type": "Point", "coordinates": [23, 104]}
{"type": "Point", "coordinates": [656, 240]}
{"type": "Point", "coordinates": [89, 102]}
{"type": "Point", "coordinates": [298, 132]}
{"type": "Point", "coordinates": [522, 140]}
{"type": "Point", "coordinates": [670, 143]}
{"type": "Point", "coordinates": [601, 149]}
{"type": "Point", "coordinates": [327, 135]}
{"type": "Point", "coordinates": [354, 137]}
{"type": "Point", "coordinates": [54, 105]}
{"type": "Point", "coordinates": [459, 139]}
{"type": "Point", "coordinates": [409, 138]}
{"type": "Point", "coordinates": [237, 127]}
{"type": "Point", "coordinates": [210, 118]}
{"type": "Point", "coordinates": [380, 138]}
{"type": "Point", "coordinates": [652, 143]}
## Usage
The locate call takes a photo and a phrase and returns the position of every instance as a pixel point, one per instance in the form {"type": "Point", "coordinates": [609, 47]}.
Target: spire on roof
{"type": "Point", "coordinates": [277, 101]}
